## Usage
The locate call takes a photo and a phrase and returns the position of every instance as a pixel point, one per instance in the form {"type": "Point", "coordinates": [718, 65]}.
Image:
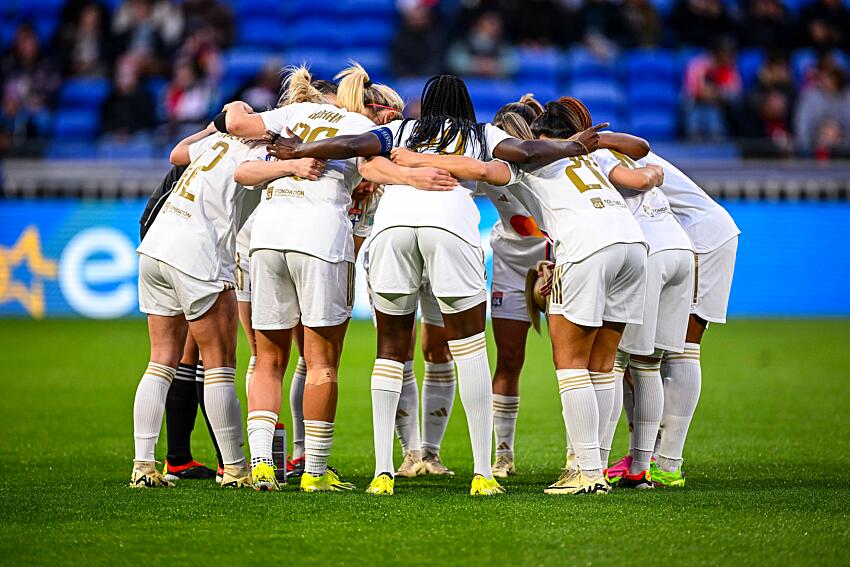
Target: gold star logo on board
{"type": "Point", "coordinates": [27, 250]}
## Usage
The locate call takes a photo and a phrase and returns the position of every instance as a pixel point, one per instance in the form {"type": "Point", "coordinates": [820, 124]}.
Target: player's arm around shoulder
{"type": "Point", "coordinates": [639, 179]}
{"type": "Point", "coordinates": [252, 173]}
{"type": "Point", "coordinates": [494, 172]}
{"type": "Point", "coordinates": [181, 154]}
{"type": "Point", "coordinates": [382, 171]}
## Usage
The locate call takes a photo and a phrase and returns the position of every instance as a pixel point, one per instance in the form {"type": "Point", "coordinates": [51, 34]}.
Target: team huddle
{"type": "Point", "coordinates": [627, 258]}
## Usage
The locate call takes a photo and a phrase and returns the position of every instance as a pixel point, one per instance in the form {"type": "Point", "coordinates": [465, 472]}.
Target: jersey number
{"type": "Point", "coordinates": [307, 134]}
{"type": "Point", "coordinates": [580, 163]}
{"type": "Point", "coordinates": [182, 186]}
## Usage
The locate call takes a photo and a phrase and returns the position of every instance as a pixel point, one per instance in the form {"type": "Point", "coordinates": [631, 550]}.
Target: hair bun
{"type": "Point", "coordinates": [367, 83]}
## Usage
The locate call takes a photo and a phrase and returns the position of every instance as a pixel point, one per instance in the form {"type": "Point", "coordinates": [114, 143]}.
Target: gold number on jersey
{"type": "Point", "coordinates": [584, 162]}
{"type": "Point", "coordinates": [307, 134]}
{"type": "Point", "coordinates": [189, 175]}
{"type": "Point", "coordinates": [625, 160]}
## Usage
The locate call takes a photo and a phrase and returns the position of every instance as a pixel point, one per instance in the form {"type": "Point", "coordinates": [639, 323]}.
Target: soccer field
{"type": "Point", "coordinates": [768, 465]}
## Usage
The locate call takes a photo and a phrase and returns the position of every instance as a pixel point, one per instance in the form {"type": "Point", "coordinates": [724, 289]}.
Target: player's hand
{"type": "Point", "coordinates": [546, 273]}
{"type": "Point", "coordinates": [431, 179]}
{"type": "Point", "coordinates": [242, 105]}
{"type": "Point", "coordinates": [659, 174]}
{"type": "Point", "coordinates": [405, 157]}
{"type": "Point", "coordinates": [284, 148]}
{"type": "Point", "coordinates": [589, 139]}
{"type": "Point", "coordinates": [308, 168]}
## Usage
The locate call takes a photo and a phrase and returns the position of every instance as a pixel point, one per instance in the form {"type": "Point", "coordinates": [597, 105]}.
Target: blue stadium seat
{"type": "Point", "coordinates": [653, 64]}
{"type": "Point", "coordinates": [749, 63]}
{"type": "Point", "coordinates": [322, 9]}
{"type": "Point", "coordinates": [537, 64]}
{"type": "Point", "coordinates": [76, 124]}
{"type": "Point", "coordinates": [410, 88]}
{"type": "Point", "coordinates": [365, 32]}
{"type": "Point", "coordinates": [654, 125]}
{"type": "Point", "coordinates": [43, 9]}
{"type": "Point", "coordinates": [801, 60]}
{"type": "Point", "coordinates": [649, 95]}
{"type": "Point", "coordinates": [490, 93]}
{"type": "Point", "coordinates": [375, 8]}
{"type": "Point", "coordinates": [258, 8]}
{"type": "Point", "coordinates": [323, 63]}
{"type": "Point", "coordinates": [139, 146]}
{"type": "Point", "coordinates": [265, 32]}
{"type": "Point", "coordinates": [64, 149]}
{"type": "Point", "coordinates": [543, 91]}
{"type": "Point", "coordinates": [318, 33]}
{"type": "Point", "coordinates": [242, 63]}
{"type": "Point", "coordinates": [581, 63]}
{"type": "Point", "coordinates": [83, 93]}
{"type": "Point", "coordinates": [375, 61]}
{"type": "Point", "coordinates": [597, 92]}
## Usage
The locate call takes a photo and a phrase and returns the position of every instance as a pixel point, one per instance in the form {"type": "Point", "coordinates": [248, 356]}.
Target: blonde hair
{"type": "Point", "coordinates": [298, 87]}
{"type": "Point", "coordinates": [529, 100]}
{"type": "Point", "coordinates": [356, 92]}
{"type": "Point", "coordinates": [515, 125]}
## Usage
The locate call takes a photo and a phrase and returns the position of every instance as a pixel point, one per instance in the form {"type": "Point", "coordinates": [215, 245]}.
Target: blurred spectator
{"type": "Point", "coordinates": [262, 92]}
{"type": "Point", "coordinates": [701, 22]}
{"type": "Point", "coordinates": [823, 114]}
{"type": "Point", "coordinates": [201, 46]}
{"type": "Point", "coordinates": [29, 82]}
{"type": "Point", "coordinates": [825, 25]}
{"type": "Point", "coordinates": [417, 47]}
{"type": "Point", "coordinates": [129, 108]}
{"type": "Point", "coordinates": [766, 25]}
{"type": "Point", "coordinates": [212, 14]}
{"type": "Point", "coordinates": [641, 22]}
{"type": "Point", "coordinates": [770, 103]}
{"type": "Point", "coordinates": [484, 52]}
{"type": "Point", "coordinates": [535, 23]}
{"type": "Point", "coordinates": [189, 95]}
{"type": "Point", "coordinates": [140, 30]}
{"type": "Point", "coordinates": [712, 92]}
{"type": "Point", "coordinates": [600, 26]}
{"type": "Point", "coordinates": [84, 46]}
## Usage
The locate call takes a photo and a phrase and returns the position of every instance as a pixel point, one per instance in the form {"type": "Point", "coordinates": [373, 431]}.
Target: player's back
{"type": "Point", "coordinates": [311, 216]}
{"type": "Point", "coordinates": [195, 231]}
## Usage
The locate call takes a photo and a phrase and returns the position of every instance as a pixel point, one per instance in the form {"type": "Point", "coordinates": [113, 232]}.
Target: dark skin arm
{"type": "Point", "coordinates": [339, 147]}
{"type": "Point", "coordinates": [632, 146]}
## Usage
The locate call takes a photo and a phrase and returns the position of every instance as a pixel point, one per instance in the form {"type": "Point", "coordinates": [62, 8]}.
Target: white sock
{"type": "Point", "coordinates": [476, 396]}
{"type": "Point", "coordinates": [252, 362]}
{"type": "Point", "coordinates": [318, 438]}
{"type": "Point", "coordinates": [682, 384]}
{"type": "Point", "coordinates": [505, 411]}
{"type": "Point", "coordinates": [581, 416]}
{"type": "Point", "coordinates": [649, 404]}
{"type": "Point", "coordinates": [438, 396]}
{"type": "Point", "coordinates": [387, 376]}
{"type": "Point", "coordinates": [224, 412]}
{"type": "Point", "coordinates": [148, 408]}
{"type": "Point", "coordinates": [296, 405]}
{"type": "Point", "coordinates": [261, 426]}
{"type": "Point", "coordinates": [605, 442]}
{"type": "Point", "coordinates": [407, 414]}
{"type": "Point", "coordinates": [605, 391]}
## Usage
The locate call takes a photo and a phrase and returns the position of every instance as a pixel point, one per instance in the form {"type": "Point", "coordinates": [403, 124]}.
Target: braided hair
{"type": "Point", "coordinates": [445, 99]}
{"type": "Point", "coordinates": [578, 110]}
{"type": "Point", "coordinates": [557, 121]}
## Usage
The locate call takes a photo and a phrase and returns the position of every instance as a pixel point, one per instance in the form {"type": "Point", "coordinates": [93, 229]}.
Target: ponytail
{"type": "Point", "coordinates": [298, 87]}
{"type": "Point", "coordinates": [578, 110]}
{"type": "Point", "coordinates": [515, 125]}
{"type": "Point", "coordinates": [529, 100]}
{"type": "Point", "coordinates": [357, 92]}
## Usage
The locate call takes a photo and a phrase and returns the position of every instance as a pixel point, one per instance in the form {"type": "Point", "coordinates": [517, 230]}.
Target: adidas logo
{"type": "Point", "coordinates": [504, 198]}
{"type": "Point", "coordinates": [401, 413]}
{"type": "Point", "coordinates": [502, 446]}
{"type": "Point", "coordinates": [442, 412]}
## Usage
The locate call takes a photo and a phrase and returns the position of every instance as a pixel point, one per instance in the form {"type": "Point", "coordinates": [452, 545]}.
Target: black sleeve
{"type": "Point", "coordinates": [158, 197]}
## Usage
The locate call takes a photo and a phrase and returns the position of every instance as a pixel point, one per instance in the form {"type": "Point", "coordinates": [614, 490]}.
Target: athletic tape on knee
{"type": "Point", "coordinates": [317, 377]}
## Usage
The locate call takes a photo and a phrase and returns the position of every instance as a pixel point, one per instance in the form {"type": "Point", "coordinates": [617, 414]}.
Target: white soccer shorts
{"type": "Point", "coordinates": [609, 285]}
{"type": "Point", "coordinates": [714, 271]}
{"type": "Point", "coordinates": [243, 274]}
{"type": "Point", "coordinates": [669, 289]}
{"type": "Point", "coordinates": [400, 256]}
{"type": "Point", "coordinates": [511, 261]}
{"type": "Point", "coordinates": [165, 290]}
{"type": "Point", "coordinates": [289, 287]}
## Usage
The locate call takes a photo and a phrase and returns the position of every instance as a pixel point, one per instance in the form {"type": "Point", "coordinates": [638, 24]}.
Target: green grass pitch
{"type": "Point", "coordinates": [768, 464]}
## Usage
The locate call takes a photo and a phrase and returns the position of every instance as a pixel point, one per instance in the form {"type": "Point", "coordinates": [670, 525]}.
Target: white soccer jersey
{"type": "Point", "coordinates": [454, 211]}
{"type": "Point", "coordinates": [650, 208]}
{"type": "Point", "coordinates": [195, 231]}
{"type": "Point", "coordinates": [707, 224]}
{"type": "Point", "coordinates": [517, 223]}
{"type": "Point", "coordinates": [362, 213]}
{"type": "Point", "coordinates": [311, 216]}
{"type": "Point", "coordinates": [576, 206]}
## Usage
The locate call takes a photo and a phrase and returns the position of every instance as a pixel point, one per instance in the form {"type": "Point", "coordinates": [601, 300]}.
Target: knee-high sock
{"type": "Point", "coordinates": [318, 439]}
{"type": "Point", "coordinates": [148, 407]}
{"type": "Point", "coordinates": [407, 414]}
{"type": "Point", "coordinates": [261, 426]}
{"type": "Point", "coordinates": [605, 442]}
{"type": "Point", "coordinates": [505, 412]}
{"type": "Point", "coordinates": [199, 385]}
{"type": "Point", "coordinates": [252, 362]}
{"type": "Point", "coordinates": [682, 385]}
{"type": "Point", "coordinates": [387, 376]}
{"type": "Point", "coordinates": [605, 391]}
{"type": "Point", "coordinates": [581, 416]}
{"type": "Point", "coordinates": [181, 408]}
{"type": "Point", "coordinates": [476, 395]}
{"type": "Point", "coordinates": [649, 403]}
{"type": "Point", "coordinates": [438, 396]}
{"type": "Point", "coordinates": [296, 405]}
{"type": "Point", "coordinates": [224, 412]}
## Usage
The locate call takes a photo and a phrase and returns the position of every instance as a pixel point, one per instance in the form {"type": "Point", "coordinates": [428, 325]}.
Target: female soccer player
{"type": "Point", "coordinates": [438, 233]}
{"type": "Point", "coordinates": [302, 269]}
{"type": "Point", "coordinates": [187, 274]}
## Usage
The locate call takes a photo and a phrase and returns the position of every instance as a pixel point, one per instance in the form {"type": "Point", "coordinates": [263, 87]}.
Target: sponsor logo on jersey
{"type": "Point", "coordinates": [285, 192]}
{"type": "Point", "coordinates": [597, 202]}
{"type": "Point", "coordinates": [653, 212]}
{"type": "Point", "coordinates": [496, 298]}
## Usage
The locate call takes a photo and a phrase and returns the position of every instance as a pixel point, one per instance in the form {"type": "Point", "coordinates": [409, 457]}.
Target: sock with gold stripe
{"type": "Point", "coordinates": [682, 385]}
{"type": "Point", "coordinates": [581, 417]}
{"type": "Point", "coordinates": [476, 395]}
{"type": "Point", "coordinates": [438, 396]}
{"type": "Point", "coordinates": [224, 412]}
{"type": "Point", "coordinates": [606, 440]}
{"type": "Point", "coordinates": [505, 411]}
{"type": "Point", "coordinates": [605, 391]}
{"type": "Point", "coordinates": [387, 376]}
{"type": "Point", "coordinates": [261, 424]}
{"type": "Point", "coordinates": [318, 439]}
{"type": "Point", "coordinates": [148, 407]}
{"type": "Point", "coordinates": [296, 407]}
{"type": "Point", "coordinates": [649, 404]}
{"type": "Point", "coordinates": [407, 413]}
{"type": "Point", "coordinates": [252, 362]}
